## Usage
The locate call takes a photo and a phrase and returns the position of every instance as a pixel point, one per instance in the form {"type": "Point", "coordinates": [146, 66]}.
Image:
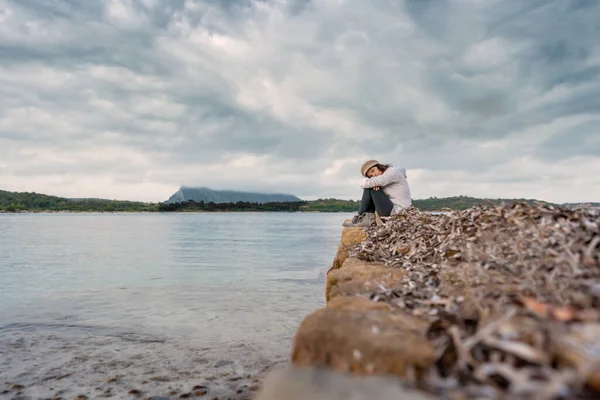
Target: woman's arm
{"type": "Point", "coordinates": [391, 175]}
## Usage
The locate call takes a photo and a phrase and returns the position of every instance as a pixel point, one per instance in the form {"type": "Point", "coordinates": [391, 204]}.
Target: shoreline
{"type": "Point", "coordinates": [84, 366]}
{"type": "Point", "coordinates": [186, 212]}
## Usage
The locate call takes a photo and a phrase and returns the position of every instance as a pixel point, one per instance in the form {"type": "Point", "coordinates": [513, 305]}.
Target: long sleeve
{"type": "Point", "coordinates": [391, 175]}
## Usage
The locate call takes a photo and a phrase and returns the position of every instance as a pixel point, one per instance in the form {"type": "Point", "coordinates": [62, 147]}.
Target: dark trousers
{"type": "Point", "coordinates": [376, 200]}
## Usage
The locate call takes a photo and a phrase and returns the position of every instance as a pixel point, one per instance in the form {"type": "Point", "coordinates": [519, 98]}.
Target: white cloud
{"type": "Point", "coordinates": [491, 53]}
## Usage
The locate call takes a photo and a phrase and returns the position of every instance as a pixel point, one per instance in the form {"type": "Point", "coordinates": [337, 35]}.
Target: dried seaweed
{"type": "Point", "coordinates": [512, 294]}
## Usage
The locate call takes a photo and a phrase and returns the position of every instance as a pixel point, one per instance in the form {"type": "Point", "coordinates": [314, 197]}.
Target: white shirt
{"type": "Point", "coordinates": [394, 184]}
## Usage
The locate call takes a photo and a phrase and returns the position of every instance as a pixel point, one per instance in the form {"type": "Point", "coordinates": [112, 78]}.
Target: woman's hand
{"type": "Point", "coordinates": [377, 188]}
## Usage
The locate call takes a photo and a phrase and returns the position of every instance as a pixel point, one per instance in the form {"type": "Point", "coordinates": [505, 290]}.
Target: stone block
{"type": "Point", "coordinates": [351, 237]}
{"type": "Point", "coordinates": [360, 277]}
{"type": "Point", "coordinates": [293, 383]}
{"type": "Point", "coordinates": [359, 336]}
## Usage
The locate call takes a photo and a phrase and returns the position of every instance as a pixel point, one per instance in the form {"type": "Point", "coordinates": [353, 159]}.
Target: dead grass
{"type": "Point", "coordinates": [512, 294]}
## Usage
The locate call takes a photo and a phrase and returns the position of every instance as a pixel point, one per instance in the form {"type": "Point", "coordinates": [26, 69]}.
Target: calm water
{"type": "Point", "coordinates": [181, 297]}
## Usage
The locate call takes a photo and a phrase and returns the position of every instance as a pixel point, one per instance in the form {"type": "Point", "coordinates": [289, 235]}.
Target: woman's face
{"type": "Point", "coordinates": [373, 171]}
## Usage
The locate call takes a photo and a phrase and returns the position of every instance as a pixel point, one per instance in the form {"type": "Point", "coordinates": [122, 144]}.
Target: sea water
{"type": "Point", "coordinates": [101, 304]}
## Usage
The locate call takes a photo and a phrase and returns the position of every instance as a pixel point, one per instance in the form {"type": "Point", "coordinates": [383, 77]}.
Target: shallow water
{"type": "Point", "coordinates": [161, 302]}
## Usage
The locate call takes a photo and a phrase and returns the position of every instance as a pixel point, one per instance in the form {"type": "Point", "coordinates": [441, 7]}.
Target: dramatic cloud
{"type": "Point", "coordinates": [131, 98]}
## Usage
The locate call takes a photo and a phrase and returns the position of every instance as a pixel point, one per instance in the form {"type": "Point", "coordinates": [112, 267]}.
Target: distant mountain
{"type": "Point", "coordinates": [207, 195]}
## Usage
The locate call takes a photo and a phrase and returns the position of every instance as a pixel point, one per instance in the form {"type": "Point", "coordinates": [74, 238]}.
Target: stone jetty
{"type": "Point", "coordinates": [487, 303]}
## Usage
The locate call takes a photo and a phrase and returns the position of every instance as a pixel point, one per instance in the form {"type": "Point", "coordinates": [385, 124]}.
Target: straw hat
{"type": "Point", "coordinates": [367, 166]}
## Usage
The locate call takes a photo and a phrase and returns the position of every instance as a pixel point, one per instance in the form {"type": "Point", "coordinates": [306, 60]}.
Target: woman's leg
{"type": "Point", "coordinates": [376, 200]}
{"type": "Point", "coordinates": [366, 204]}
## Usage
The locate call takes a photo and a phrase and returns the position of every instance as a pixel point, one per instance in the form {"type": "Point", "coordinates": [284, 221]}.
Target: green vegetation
{"type": "Point", "coordinates": [15, 202]}
{"type": "Point", "coordinates": [330, 205]}
{"type": "Point", "coordinates": [430, 204]}
{"type": "Point", "coordinates": [191, 205]}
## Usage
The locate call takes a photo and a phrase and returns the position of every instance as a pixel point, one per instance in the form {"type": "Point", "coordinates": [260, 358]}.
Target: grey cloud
{"type": "Point", "coordinates": [192, 83]}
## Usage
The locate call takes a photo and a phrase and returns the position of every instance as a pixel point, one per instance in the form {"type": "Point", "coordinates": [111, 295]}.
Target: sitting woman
{"type": "Point", "coordinates": [385, 191]}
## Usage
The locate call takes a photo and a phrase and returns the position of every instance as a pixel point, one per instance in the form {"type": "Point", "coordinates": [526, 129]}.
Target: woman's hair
{"type": "Point", "coordinates": [382, 167]}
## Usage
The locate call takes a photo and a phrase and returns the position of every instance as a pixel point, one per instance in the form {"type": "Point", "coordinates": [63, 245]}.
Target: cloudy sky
{"type": "Point", "coordinates": [129, 99]}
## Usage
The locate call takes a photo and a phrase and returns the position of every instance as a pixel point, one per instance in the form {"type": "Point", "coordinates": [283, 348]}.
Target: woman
{"type": "Point", "coordinates": [385, 191]}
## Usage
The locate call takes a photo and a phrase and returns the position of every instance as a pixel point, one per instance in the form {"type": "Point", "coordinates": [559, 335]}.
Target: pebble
{"type": "Point", "coordinates": [223, 363]}
{"type": "Point", "coordinates": [160, 379]}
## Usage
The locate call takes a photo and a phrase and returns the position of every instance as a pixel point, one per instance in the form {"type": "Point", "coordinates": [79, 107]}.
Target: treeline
{"type": "Point", "coordinates": [26, 201]}
{"type": "Point", "coordinates": [330, 205]}
{"type": "Point", "coordinates": [191, 205]}
{"type": "Point", "coordinates": [14, 202]}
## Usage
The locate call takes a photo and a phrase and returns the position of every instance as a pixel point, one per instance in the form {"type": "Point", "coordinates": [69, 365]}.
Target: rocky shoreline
{"type": "Point", "coordinates": [488, 303]}
{"type": "Point", "coordinates": [85, 366]}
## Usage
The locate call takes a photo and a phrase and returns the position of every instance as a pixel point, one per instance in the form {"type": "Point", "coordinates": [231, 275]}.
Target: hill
{"type": "Point", "coordinates": [227, 196]}
{"type": "Point", "coordinates": [31, 201]}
